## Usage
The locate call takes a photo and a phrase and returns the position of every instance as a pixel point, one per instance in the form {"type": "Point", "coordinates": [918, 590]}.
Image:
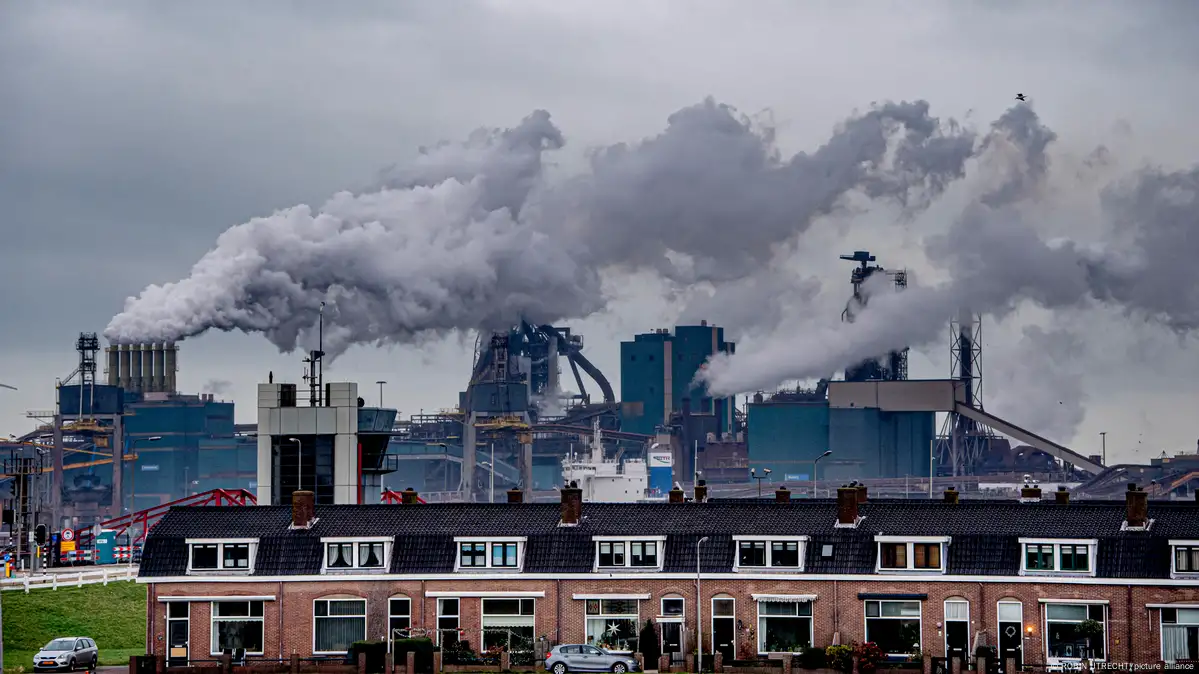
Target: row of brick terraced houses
{"type": "Point", "coordinates": [1045, 581]}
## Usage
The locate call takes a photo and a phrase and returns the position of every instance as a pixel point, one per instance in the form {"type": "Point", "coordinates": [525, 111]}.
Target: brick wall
{"type": "Point", "coordinates": [1133, 630]}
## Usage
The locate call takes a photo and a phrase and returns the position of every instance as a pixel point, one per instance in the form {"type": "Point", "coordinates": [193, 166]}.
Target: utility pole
{"type": "Point", "coordinates": [1103, 439]}
{"type": "Point", "coordinates": [380, 383]}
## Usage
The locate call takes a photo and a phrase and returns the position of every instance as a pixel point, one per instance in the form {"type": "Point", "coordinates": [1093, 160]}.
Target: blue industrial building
{"type": "Point", "coordinates": [657, 373]}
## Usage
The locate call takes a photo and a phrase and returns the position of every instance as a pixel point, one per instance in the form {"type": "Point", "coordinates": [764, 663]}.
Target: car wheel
{"type": "Point", "coordinates": [559, 668]}
{"type": "Point", "coordinates": [71, 667]}
{"type": "Point", "coordinates": [619, 668]}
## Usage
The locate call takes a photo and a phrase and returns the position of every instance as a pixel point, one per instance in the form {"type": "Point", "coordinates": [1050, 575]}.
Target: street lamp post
{"type": "Point", "coordinates": [753, 473]}
{"type": "Point", "coordinates": [380, 383]}
{"type": "Point", "coordinates": [699, 611]}
{"type": "Point", "coordinates": [299, 464]}
{"type": "Point", "coordinates": [1103, 439]}
{"type": "Point", "coordinates": [826, 453]}
{"type": "Point", "coordinates": [133, 488]}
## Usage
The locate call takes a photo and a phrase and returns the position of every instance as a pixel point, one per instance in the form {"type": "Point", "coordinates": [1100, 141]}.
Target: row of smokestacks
{"type": "Point", "coordinates": [143, 368]}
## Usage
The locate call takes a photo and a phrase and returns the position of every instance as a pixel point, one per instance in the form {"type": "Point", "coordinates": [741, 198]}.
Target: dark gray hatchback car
{"type": "Point", "coordinates": [584, 658]}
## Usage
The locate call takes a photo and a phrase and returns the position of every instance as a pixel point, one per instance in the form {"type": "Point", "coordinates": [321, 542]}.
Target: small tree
{"type": "Point", "coordinates": [651, 648]}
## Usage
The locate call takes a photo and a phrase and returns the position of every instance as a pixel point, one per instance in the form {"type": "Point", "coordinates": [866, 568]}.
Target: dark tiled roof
{"type": "Point", "coordinates": [984, 533]}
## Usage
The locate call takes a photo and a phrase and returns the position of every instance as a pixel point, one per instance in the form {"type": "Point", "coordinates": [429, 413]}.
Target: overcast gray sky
{"type": "Point", "coordinates": [133, 133]}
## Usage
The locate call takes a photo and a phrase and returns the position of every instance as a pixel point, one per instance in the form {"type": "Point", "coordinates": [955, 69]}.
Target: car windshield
{"type": "Point", "coordinates": [60, 645]}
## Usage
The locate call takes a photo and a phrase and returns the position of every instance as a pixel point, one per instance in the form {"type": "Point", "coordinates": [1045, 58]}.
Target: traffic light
{"type": "Point", "coordinates": [40, 534]}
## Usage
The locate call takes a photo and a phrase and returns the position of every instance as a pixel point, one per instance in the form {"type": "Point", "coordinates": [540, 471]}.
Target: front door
{"type": "Point", "coordinates": [1011, 634]}
{"type": "Point", "coordinates": [672, 641]}
{"type": "Point", "coordinates": [177, 642]}
{"type": "Point", "coordinates": [724, 628]}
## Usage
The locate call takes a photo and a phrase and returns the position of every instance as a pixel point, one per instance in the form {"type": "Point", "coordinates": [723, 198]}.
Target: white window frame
{"type": "Point", "coordinates": [761, 636]}
{"type": "Point", "coordinates": [391, 632]}
{"type": "Point", "coordinates": [457, 615]}
{"type": "Point", "coordinates": [911, 541]}
{"type": "Point", "coordinates": [355, 567]}
{"type": "Point", "coordinates": [220, 555]}
{"type": "Point", "coordinates": [530, 619]}
{"type": "Point", "coordinates": [213, 619]}
{"type": "Point", "coordinates": [801, 541]}
{"type": "Point", "coordinates": [364, 614]}
{"type": "Point", "coordinates": [945, 624]}
{"type": "Point", "coordinates": [603, 616]}
{"type": "Point", "coordinates": [712, 621]}
{"type": "Point", "coordinates": [628, 554]}
{"type": "Point", "coordinates": [1092, 545]}
{"type": "Point", "coordinates": [1181, 543]}
{"type": "Point", "coordinates": [490, 541]}
{"type": "Point", "coordinates": [919, 619]}
{"type": "Point", "coordinates": [1161, 626]}
{"type": "Point", "coordinates": [662, 615]}
{"type": "Point", "coordinates": [1046, 603]}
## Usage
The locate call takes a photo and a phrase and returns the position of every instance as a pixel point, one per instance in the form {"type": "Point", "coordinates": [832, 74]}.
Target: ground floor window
{"type": "Point", "coordinates": [1075, 631]}
{"type": "Point", "coordinates": [612, 624]}
{"type": "Point", "coordinates": [399, 617]}
{"type": "Point", "coordinates": [894, 626]}
{"type": "Point", "coordinates": [338, 623]}
{"type": "Point", "coordinates": [237, 625]}
{"type": "Point", "coordinates": [784, 626]}
{"type": "Point", "coordinates": [447, 621]}
{"type": "Point", "coordinates": [508, 625]}
{"type": "Point", "coordinates": [1180, 634]}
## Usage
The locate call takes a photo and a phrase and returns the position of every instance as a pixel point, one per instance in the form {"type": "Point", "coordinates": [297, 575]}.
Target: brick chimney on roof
{"type": "Point", "coordinates": [303, 509]}
{"type": "Point", "coordinates": [951, 495]}
{"type": "Point", "coordinates": [861, 493]}
{"type": "Point", "coordinates": [572, 505]}
{"type": "Point", "coordinates": [409, 497]}
{"type": "Point", "coordinates": [701, 491]}
{"type": "Point", "coordinates": [782, 495]}
{"type": "Point", "coordinates": [847, 506]}
{"type": "Point", "coordinates": [1137, 504]}
{"type": "Point", "coordinates": [516, 496]}
{"type": "Point", "coordinates": [1061, 495]}
{"type": "Point", "coordinates": [1030, 492]}
{"type": "Point", "coordinates": [677, 495]}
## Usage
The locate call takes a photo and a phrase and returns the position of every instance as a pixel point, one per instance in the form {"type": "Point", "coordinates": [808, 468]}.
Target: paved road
{"type": "Point", "coordinates": [113, 670]}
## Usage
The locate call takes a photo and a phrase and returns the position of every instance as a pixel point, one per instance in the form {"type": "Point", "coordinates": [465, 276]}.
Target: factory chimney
{"type": "Point", "coordinates": [135, 368]}
{"type": "Point", "coordinates": [171, 355]}
{"type": "Point", "coordinates": [114, 367]}
{"type": "Point", "coordinates": [124, 367]}
{"type": "Point", "coordinates": [160, 377]}
{"type": "Point", "coordinates": [148, 368]}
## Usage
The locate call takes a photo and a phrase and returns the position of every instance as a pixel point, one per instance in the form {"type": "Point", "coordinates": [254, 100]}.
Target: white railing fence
{"type": "Point", "coordinates": [54, 581]}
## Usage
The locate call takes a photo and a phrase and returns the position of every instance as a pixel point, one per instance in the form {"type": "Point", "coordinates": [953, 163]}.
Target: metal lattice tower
{"type": "Point", "coordinates": [88, 345]}
{"type": "Point", "coordinates": [969, 441]}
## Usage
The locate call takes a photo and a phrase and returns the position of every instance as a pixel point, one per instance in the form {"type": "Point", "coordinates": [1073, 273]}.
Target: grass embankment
{"type": "Point", "coordinates": [114, 615]}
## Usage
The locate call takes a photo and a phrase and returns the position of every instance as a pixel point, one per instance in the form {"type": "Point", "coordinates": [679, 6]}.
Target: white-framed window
{"type": "Point", "coordinates": [448, 625]}
{"type": "Point", "coordinates": [1075, 631]}
{"type": "Point", "coordinates": [1180, 634]}
{"type": "Point", "coordinates": [894, 625]}
{"type": "Point", "coordinates": [761, 553]}
{"type": "Point", "coordinates": [925, 554]}
{"type": "Point", "coordinates": [399, 618]}
{"type": "Point", "coordinates": [672, 607]}
{"type": "Point", "coordinates": [356, 554]}
{"type": "Point", "coordinates": [957, 628]}
{"type": "Point", "coordinates": [490, 553]}
{"type": "Point", "coordinates": [509, 623]}
{"type": "Point", "coordinates": [612, 624]}
{"type": "Point", "coordinates": [634, 553]}
{"type": "Point", "coordinates": [236, 624]}
{"type": "Point", "coordinates": [784, 626]}
{"type": "Point", "coordinates": [337, 623]}
{"type": "Point", "coordinates": [1065, 557]}
{"type": "Point", "coordinates": [1184, 558]}
{"type": "Point", "coordinates": [221, 555]}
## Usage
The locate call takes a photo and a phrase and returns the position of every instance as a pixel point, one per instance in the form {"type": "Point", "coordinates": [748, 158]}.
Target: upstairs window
{"type": "Point", "coordinates": [770, 552]}
{"type": "Point", "coordinates": [356, 554]}
{"type": "Point", "coordinates": [1066, 557]}
{"type": "Point", "coordinates": [920, 554]}
{"type": "Point", "coordinates": [232, 556]}
{"type": "Point", "coordinates": [494, 554]}
{"type": "Point", "coordinates": [633, 553]}
{"type": "Point", "coordinates": [1184, 557]}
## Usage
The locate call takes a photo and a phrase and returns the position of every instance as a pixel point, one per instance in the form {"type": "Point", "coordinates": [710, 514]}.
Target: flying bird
{"type": "Point", "coordinates": [1020, 97]}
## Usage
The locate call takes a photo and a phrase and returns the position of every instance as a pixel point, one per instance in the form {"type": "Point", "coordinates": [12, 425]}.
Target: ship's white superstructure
{"type": "Point", "coordinates": [605, 480]}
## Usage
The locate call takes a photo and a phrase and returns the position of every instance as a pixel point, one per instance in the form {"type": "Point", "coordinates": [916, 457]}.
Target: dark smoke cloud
{"type": "Point", "coordinates": [997, 257]}
{"type": "Point", "coordinates": [473, 235]}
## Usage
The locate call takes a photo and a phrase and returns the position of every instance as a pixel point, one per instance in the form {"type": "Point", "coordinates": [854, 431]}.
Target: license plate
{"type": "Point", "coordinates": [48, 663]}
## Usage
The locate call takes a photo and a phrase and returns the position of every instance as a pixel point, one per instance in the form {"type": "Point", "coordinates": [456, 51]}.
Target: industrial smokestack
{"type": "Point", "coordinates": [123, 377]}
{"type": "Point", "coordinates": [170, 352]}
{"type": "Point", "coordinates": [159, 379]}
{"type": "Point", "coordinates": [114, 367]}
{"type": "Point", "coordinates": [135, 367]}
{"type": "Point", "coordinates": [148, 368]}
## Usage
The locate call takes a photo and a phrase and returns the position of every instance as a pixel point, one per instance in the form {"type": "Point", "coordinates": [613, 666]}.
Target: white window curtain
{"type": "Point", "coordinates": [1175, 646]}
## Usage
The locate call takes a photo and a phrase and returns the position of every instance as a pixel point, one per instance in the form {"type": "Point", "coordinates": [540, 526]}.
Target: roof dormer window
{"type": "Point", "coordinates": [356, 554]}
{"type": "Point", "coordinates": [1184, 558]}
{"type": "Point", "coordinates": [770, 553]}
{"type": "Point", "coordinates": [1066, 557]}
{"type": "Point", "coordinates": [221, 555]}
{"type": "Point", "coordinates": [634, 553]}
{"type": "Point", "coordinates": [925, 554]}
{"type": "Point", "coordinates": [490, 553]}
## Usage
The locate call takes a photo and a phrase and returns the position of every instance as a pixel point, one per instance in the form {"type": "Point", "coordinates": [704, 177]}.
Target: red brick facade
{"type": "Point", "coordinates": [1133, 630]}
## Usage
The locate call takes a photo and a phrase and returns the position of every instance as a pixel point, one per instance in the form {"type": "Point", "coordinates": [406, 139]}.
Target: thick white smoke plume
{"type": "Point", "coordinates": [996, 256]}
{"type": "Point", "coordinates": [473, 235]}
